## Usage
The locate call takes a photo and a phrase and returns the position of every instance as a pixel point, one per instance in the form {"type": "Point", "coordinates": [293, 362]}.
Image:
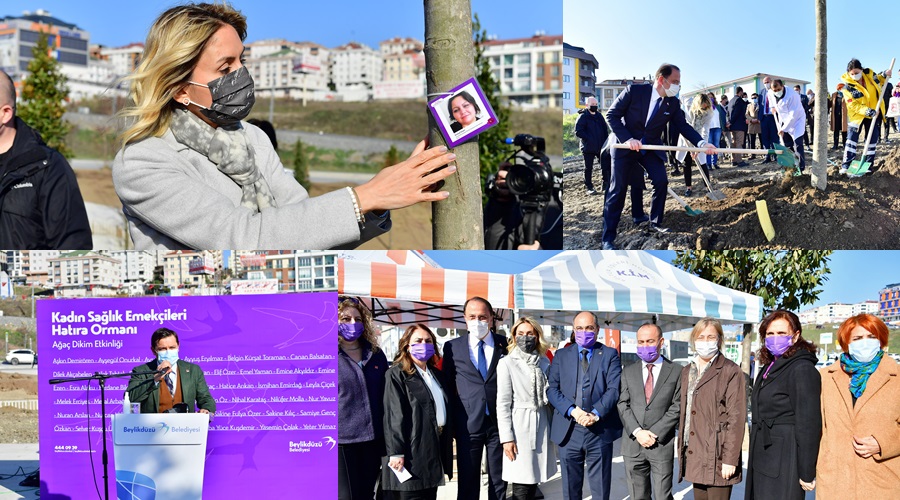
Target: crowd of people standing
{"type": "Point", "coordinates": [835, 432]}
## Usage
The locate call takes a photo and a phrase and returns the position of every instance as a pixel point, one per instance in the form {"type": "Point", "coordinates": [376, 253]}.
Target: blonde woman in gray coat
{"type": "Point", "coordinates": [192, 174]}
{"type": "Point", "coordinates": [699, 116]}
{"type": "Point", "coordinates": [523, 413]}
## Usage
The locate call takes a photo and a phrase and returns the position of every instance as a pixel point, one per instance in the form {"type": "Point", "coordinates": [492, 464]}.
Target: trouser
{"type": "Point", "coordinates": [768, 131]}
{"type": "Point", "coordinates": [715, 138]}
{"type": "Point", "coordinates": [585, 447]}
{"type": "Point", "coordinates": [703, 492]}
{"type": "Point", "coordinates": [843, 143]}
{"type": "Point", "coordinates": [524, 491]}
{"type": "Point", "coordinates": [627, 170]}
{"type": "Point", "coordinates": [688, 167]}
{"type": "Point", "coordinates": [358, 467]}
{"type": "Point", "coordinates": [605, 166]}
{"type": "Point", "coordinates": [737, 139]}
{"type": "Point", "coordinates": [854, 134]}
{"type": "Point", "coordinates": [752, 138]}
{"type": "Point", "coordinates": [797, 145]}
{"type": "Point", "coordinates": [426, 494]}
{"type": "Point", "coordinates": [888, 124]}
{"type": "Point", "coordinates": [643, 470]}
{"type": "Point", "coordinates": [469, 447]}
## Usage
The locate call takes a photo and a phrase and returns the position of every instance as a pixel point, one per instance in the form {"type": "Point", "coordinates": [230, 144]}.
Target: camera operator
{"type": "Point", "coordinates": [528, 216]}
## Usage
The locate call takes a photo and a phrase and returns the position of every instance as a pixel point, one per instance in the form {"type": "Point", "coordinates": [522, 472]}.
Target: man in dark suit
{"type": "Point", "coordinates": [184, 382]}
{"type": "Point", "coordinates": [584, 388]}
{"type": "Point", "coordinates": [648, 405]}
{"type": "Point", "coordinates": [470, 366]}
{"type": "Point", "coordinates": [639, 116]}
{"type": "Point", "coordinates": [737, 125]}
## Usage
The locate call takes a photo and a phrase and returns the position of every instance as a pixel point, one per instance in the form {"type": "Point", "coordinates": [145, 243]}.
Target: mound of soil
{"type": "Point", "coordinates": [860, 213]}
{"type": "Point", "coordinates": [18, 383]}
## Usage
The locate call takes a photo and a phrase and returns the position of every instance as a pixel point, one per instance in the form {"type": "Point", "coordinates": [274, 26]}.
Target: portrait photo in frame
{"type": "Point", "coordinates": [463, 112]}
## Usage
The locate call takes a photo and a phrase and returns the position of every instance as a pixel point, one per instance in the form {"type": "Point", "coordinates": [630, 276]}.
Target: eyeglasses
{"type": "Point", "coordinates": [589, 328]}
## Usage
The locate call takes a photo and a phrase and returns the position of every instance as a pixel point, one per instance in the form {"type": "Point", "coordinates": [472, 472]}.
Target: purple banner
{"type": "Point", "coordinates": [270, 363]}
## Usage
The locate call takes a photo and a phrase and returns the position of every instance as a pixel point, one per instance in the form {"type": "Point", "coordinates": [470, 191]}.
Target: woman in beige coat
{"type": "Point", "coordinates": [523, 413]}
{"type": "Point", "coordinates": [754, 127]}
{"type": "Point", "coordinates": [713, 416]}
{"type": "Point", "coordinates": [859, 456]}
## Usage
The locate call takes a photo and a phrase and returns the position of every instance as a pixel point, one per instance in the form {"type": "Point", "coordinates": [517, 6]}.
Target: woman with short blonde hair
{"type": "Point", "coordinates": [713, 414]}
{"type": "Point", "coordinates": [192, 174]}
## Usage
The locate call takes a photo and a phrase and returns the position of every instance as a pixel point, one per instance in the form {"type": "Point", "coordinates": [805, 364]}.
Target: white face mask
{"type": "Point", "coordinates": [479, 328]}
{"type": "Point", "coordinates": [857, 76]}
{"type": "Point", "coordinates": [864, 350]}
{"type": "Point", "coordinates": [779, 94]}
{"type": "Point", "coordinates": [706, 349]}
{"type": "Point", "coordinates": [673, 89]}
{"type": "Point", "coordinates": [768, 86]}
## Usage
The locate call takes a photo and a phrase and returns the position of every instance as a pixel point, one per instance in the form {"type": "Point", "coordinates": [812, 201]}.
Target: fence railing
{"type": "Point", "coordinates": [23, 404]}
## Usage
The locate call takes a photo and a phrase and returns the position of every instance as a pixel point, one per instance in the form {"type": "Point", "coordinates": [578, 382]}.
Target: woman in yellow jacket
{"type": "Point", "coordinates": [862, 93]}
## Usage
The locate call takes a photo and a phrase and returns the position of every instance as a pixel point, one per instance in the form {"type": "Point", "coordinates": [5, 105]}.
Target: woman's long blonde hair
{"type": "Point", "coordinates": [174, 45]}
{"type": "Point", "coordinates": [541, 347]}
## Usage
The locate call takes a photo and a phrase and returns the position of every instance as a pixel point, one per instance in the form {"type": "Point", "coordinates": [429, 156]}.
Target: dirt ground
{"type": "Point", "coordinates": [861, 213]}
{"type": "Point", "coordinates": [18, 426]}
{"type": "Point", "coordinates": [411, 229]}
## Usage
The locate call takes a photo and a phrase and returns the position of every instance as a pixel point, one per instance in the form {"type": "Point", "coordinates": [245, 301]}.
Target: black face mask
{"type": "Point", "coordinates": [526, 343]}
{"type": "Point", "coordinates": [593, 109]}
{"type": "Point", "coordinates": [232, 97]}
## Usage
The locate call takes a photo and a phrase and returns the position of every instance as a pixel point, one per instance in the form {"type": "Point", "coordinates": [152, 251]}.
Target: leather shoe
{"type": "Point", "coordinates": [608, 245]}
{"type": "Point", "coordinates": [591, 192]}
{"type": "Point", "coordinates": [640, 220]}
{"type": "Point", "coordinates": [658, 228]}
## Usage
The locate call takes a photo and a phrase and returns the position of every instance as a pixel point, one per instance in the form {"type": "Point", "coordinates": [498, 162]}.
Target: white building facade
{"type": "Point", "coordinates": [528, 70]}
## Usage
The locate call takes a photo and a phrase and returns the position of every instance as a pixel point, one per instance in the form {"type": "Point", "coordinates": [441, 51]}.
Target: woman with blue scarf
{"type": "Point", "coordinates": [860, 450]}
{"type": "Point", "coordinates": [787, 421]}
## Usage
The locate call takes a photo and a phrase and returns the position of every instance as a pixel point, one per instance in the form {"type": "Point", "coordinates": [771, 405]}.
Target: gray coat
{"type": "Point", "coordinates": [175, 198]}
{"type": "Point", "coordinates": [519, 420]}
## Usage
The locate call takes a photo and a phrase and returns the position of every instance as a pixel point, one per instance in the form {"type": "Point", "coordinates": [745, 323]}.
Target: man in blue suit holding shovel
{"type": "Point", "coordinates": [638, 117]}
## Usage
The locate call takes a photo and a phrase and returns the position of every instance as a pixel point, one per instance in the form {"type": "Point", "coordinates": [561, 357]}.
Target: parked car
{"type": "Point", "coordinates": [23, 356]}
{"type": "Point", "coordinates": [823, 364]}
{"type": "Point", "coordinates": [682, 361]}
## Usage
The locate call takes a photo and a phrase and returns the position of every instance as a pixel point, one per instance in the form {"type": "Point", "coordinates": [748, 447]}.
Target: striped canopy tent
{"type": "Point", "coordinates": [627, 289]}
{"type": "Point", "coordinates": [417, 290]}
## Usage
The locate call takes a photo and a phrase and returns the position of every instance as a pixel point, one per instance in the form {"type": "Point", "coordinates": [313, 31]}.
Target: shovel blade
{"type": "Point", "coordinates": [693, 212]}
{"type": "Point", "coordinates": [716, 195]}
{"type": "Point", "coordinates": [858, 167]}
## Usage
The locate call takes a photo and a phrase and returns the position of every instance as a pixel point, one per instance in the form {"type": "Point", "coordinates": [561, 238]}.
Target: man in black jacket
{"type": "Point", "coordinates": [40, 204]}
{"type": "Point", "coordinates": [737, 125]}
{"type": "Point", "coordinates": [592, 132]}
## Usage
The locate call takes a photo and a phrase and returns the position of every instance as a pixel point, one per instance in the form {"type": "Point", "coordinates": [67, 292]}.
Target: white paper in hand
{"type": "Point", "coordinates": [403, 475]}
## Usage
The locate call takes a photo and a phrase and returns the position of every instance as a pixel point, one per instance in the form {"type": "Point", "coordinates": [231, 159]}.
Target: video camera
{"type": "Point", "coordinates": [532, 181]}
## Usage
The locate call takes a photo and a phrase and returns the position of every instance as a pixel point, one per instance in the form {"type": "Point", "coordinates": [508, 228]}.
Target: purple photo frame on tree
{"type": "Point", "coordinates": [462, 113]}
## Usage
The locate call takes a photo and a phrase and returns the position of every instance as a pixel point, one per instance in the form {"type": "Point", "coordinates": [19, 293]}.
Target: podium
{"type": "Point", "coordinates": [159, 455]}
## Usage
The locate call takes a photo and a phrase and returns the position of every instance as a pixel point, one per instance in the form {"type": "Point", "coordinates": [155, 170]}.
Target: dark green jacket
{"type": "Point", "coordinates": [193, 388]}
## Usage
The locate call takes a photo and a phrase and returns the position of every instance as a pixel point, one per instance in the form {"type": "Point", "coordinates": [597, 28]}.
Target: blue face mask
{"type": "Point", "coordinates": [864, 350]}
{"type": "Point", "coordinates": [170, 355]}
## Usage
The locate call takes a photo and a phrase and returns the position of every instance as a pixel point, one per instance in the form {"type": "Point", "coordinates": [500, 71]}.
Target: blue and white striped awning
{"type": "Point", "coordinates": [627, 289]}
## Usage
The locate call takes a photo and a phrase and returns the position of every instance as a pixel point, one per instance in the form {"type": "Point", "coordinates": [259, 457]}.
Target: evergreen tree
{"type": "Point", "coordinates": [301, 165]}
{"type": "Point", "coordinates": [44, 93]}
{"type": "Point", "coordinates": [392, 157]}
{"type": "Point", "coordinates": [491, 147]}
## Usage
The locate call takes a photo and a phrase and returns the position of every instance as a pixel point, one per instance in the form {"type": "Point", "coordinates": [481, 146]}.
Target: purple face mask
{"type": "Point", "coordinates": [350, 331]}
{"type": "Point", "coordinates": [778, 344]}
{"type": "Point", "coordinates": [422, 352]}
{"type": "Point", "coordinates": [648, 353]}
{"type": "Point", "coordinates": [585, 338]}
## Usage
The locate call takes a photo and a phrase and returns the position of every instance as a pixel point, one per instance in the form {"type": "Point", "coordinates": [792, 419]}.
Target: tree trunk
{"type": "Point", "coordinates": [457, 222]}
{"type": "Point", "coordinates": [745, 348]}
{"type": "Point", "coordinates": [819, 176]}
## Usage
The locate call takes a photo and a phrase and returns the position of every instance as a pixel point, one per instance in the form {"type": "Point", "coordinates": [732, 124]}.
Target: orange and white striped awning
{"type": "Point", "coordinates": [406, 294]}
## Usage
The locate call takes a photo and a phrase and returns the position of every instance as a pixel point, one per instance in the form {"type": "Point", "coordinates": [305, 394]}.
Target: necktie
{"type": "Point", "coordinates": [655, 109]}
{"type": "Point", "coordinates": [170, 381]}
{"type": "Point", "coordinates": [482, 361]}
{"type": "Point", "coordinates": [584, 361]}
{"type": "Point", "coordinates": [767, 102]}
{"type": "Point", "coordinates": [648, 385]}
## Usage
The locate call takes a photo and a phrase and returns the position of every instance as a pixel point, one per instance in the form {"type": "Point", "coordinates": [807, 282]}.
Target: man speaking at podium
{"type": "Point", "coordinates": [175, 384]}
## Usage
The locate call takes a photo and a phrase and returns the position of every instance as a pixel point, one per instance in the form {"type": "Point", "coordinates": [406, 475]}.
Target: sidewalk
{"type": "Point", "coordinates": [13, 456]}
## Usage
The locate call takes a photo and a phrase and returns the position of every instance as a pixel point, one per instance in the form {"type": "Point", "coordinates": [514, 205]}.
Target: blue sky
{"type": "Point", "coordinates": [855, 275]}
{"type": "Point", "coordinates": [116, 23]}
{"type": "Point", "coordinates": [713, 41]}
